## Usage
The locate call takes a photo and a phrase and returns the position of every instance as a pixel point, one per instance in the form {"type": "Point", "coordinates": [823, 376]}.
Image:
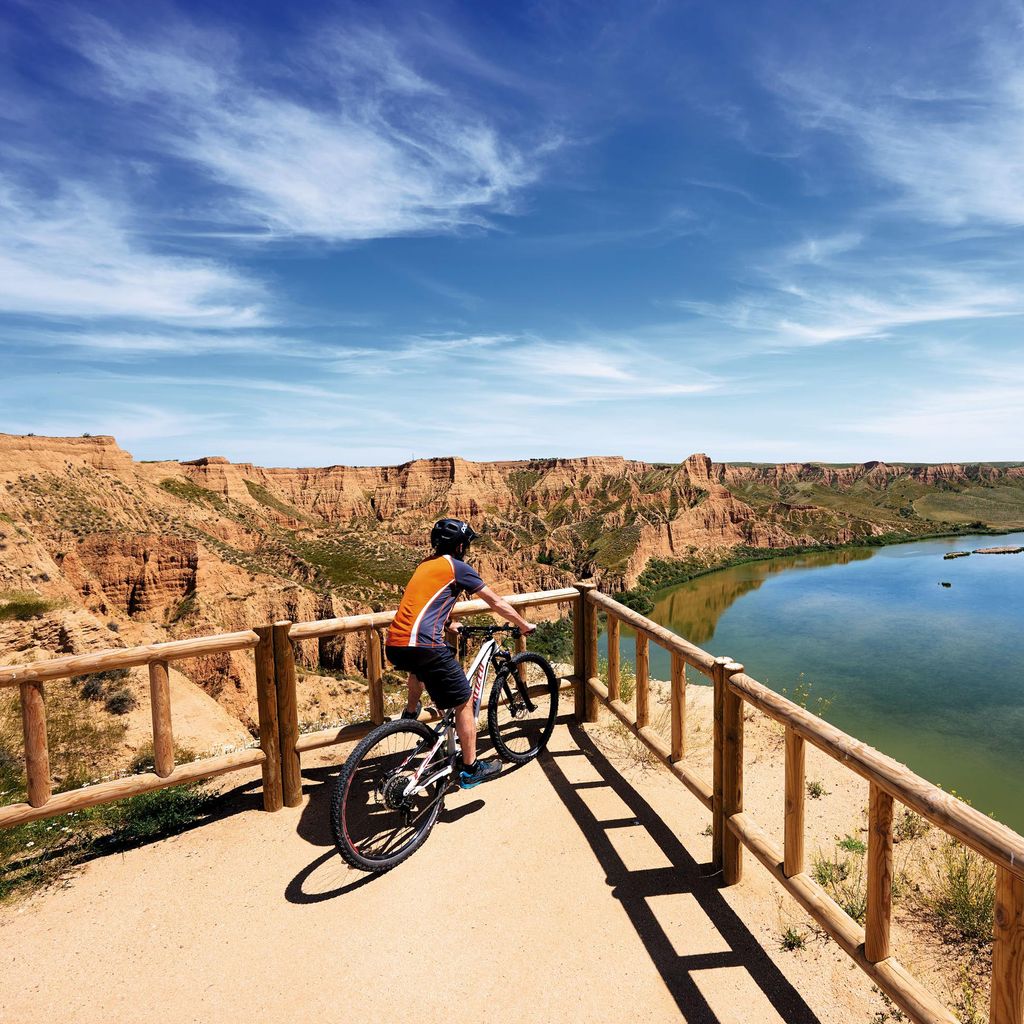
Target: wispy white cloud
{"type": "Point", "coordinates": [941, 129]}
{"type": "Point", "coordinates": [820, 249]}
{"type": "Point", "coordinates": [866, 300]}
{"type": "Point", "coordinates": [351, 143]}
{"type": "Point", "coordinates": [420, 355]}
{"type": "Point", "coordinates": [536, 370]}
{"type": "Point", "coordinates": [220, 384]}
{"type": "Point", "coordinates": [102, 343]}
{"type": "Point", "coordinates": [74, 255]}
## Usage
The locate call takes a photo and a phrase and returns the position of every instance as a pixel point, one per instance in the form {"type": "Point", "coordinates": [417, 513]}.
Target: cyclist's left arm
{"type": "Point", "coordinates": [497, 603]}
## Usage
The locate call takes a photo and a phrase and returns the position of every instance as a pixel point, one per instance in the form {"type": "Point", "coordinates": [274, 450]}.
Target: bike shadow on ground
{"type": "Point", "coordinates": [314, 827]}
{"type": "Point", "coordinates": [637, 889]}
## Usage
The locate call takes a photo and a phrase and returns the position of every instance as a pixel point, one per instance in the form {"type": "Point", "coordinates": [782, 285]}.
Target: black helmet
{"type": "Point", "coordinates": [450, 534]}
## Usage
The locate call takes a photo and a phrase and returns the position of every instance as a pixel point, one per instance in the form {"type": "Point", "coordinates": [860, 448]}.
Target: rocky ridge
{"type": "Point", "coordinates": [127, 552]}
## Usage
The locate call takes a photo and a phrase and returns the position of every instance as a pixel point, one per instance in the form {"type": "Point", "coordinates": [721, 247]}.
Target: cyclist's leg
{"type": "Point", "coordinates": [415, 692]}
{"type": "Point", "coordinates": [465, 727]}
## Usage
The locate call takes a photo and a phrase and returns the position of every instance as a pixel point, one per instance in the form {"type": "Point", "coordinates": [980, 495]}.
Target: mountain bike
{"type": "Point", "coordinates": [392, 787]}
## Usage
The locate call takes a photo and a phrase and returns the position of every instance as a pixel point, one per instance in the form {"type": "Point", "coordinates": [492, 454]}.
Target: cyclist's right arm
{"type": "Point", "coordinates": [504, 609]}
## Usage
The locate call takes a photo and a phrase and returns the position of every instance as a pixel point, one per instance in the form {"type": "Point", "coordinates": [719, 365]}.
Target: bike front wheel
{"type": "Point", "coordinates": [522, 709]}
{"type": "Point", "coordinates": [376, 823]}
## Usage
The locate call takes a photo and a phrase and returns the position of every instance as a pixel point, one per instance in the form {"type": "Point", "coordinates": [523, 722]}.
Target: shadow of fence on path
{"type": "Point", "coordinates": [634, 889]}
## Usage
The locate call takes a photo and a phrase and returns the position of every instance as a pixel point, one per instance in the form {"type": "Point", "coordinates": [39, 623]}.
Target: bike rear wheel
{"type": "Point", "coordinates": [522, 709]}
{"type": "Point", "coordinates": [375, 825]}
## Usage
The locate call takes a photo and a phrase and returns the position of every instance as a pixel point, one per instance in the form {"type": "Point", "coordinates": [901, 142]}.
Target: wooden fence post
{"type": "Point", "coordinates": [879, 908]}
{"type": "Point", "coordinates": [585, 634]}
{"type": "Point", "coordinates": [795, 794]}
{"type": "Point", "coordinates": [717, 775]}
{"type": "Point", "coordinates": [270, 739]}
{"type": "Point", "coordinates": [727, 771]}
{"type": "Point", "coordinates": [37, 754]}
{"type": "Point", "coordinates": [374, 676]}
{"type": "Point", "coordinates": [614, 676]}
{"type": "Point", "coordinates": [160, 708]}
{"type": "Point", "coordinates": [287, 715]}
{"type": "Point", "coordinates": [1007, 1000]}
{"type": "Point", "coordinates": [678, 707]}
{"type": "Point", "coordinates": [643, 680]}
{"type": "Point", "coordinates": [732, 775]}
{"type": "Point", "coordinates": [520, 644]}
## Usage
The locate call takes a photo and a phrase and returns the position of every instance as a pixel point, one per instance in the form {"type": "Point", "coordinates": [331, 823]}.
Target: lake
{"type": "Point", "coordinates": [932, 675]}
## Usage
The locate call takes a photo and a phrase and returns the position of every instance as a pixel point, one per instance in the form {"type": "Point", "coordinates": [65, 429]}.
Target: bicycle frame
{"type": "Point", "coordinates": [445, 729]}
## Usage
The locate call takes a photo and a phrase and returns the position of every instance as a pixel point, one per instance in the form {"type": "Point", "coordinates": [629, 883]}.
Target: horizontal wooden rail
{"type": "Point", "coordinates": [694, 656]}
{"type": "Point", "coordinates": [125, 657]}
{"type": "Point", "coordinates": [376, 620]}
{"type": "Point", "coordinates": [329, 737]}
{"type": "Point", "coordinates": [999, 844]}
{"type": "Point", "coordinates": [132, 785]}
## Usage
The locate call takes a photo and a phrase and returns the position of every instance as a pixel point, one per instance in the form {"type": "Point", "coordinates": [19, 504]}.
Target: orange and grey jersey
{"type": "Point", "coordinates": [428, 601]}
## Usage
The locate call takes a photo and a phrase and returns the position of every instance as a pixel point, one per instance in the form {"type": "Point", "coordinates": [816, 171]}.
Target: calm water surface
{"type": "Point", "coordinates": [933, 676]}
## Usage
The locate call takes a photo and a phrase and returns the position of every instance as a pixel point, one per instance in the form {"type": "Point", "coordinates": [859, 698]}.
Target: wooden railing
{"type": "Point", "coordinates": [733, 828]}
{"type": "Point", "coordinates": [282, 745]}
{"type": "Point", "coordinates": [42, 803]}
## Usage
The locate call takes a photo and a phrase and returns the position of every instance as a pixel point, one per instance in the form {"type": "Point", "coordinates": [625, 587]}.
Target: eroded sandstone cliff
{"type": "Point", "coordinates": [127, 552]}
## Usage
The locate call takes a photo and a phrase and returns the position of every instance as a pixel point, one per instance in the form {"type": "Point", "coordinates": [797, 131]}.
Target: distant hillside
{"type": "Point", "coordinates": [115, 551]}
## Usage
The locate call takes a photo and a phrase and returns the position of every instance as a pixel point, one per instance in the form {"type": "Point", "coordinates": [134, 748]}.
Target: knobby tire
{"type": "Point", "coordinates": [358, 807]}
{"type": "Point", "coordinates": [518, 734]}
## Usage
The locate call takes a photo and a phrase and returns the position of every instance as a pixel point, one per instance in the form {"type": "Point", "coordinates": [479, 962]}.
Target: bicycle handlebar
{"type": "Point", "coordinates": [489, 630]}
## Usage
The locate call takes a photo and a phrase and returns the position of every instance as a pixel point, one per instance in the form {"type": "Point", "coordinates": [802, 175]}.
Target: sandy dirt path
{"type": "Point", "coordinates": [561, 891]}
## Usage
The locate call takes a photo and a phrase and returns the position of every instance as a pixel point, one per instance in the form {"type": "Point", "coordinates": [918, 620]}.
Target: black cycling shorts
{"type": "Point", "coordinates": [437, 669]}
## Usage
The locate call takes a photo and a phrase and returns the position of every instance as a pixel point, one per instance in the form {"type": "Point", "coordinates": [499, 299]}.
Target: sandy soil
{"type": "Point", "coordinates": [574, 888]}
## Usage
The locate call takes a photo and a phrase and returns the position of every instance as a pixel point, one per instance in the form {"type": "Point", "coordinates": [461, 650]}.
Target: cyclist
{"type": "Point", "coordinates": [415, 641]}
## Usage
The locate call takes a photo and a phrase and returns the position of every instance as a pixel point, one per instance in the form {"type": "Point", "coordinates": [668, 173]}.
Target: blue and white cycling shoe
{"type": "Point", "coordinates": [480, 771]}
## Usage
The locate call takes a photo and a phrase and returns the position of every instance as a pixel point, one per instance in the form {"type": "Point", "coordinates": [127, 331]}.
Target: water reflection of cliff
{"type": "Point", "coordinates": [693, 609]}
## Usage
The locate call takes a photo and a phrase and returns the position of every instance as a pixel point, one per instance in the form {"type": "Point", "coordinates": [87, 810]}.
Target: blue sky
{"type": "Point", "coordinates": [359, 233]}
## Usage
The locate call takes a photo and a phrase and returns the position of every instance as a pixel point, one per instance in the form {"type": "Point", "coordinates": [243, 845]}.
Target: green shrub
{"type": "Point", "coordinates": [21, 607]}
{"type": "Point", "coordinates": [92, 689]}
{"type": "Point", "coordinates": [793, 939]}
{"type": "Point", "coordinates": [844, 879]}
{"type": "Point", "coordinates": [828, 871]}
{"type": "Point", "coordinates": [816, 789]}
{"type": "Point", "coordinates": [636, 600]}
{"type": "Point", "coordinates": [145, 759]}
{"type": "Point", "coordinates": [851, 844]}
{"type": "Point", "coordinates": [627, 682]}
{"type": "Point", "coordinates": [159, 812]}
{"type": "Point", "coordinates": [120, 702]}
{"type": "Point", "coordinates": [802, 695]}
{"type": "Point", "coordinates": [109, 687]}
{"type": "Point", "coordinates": [964, 894]}
{"type": "Point", "coordinates": [97, 685]}
{"type": "Point", "coordinates": [185, 607]}
{"type": "Point", "coordinates": [908, 826]}
{"type": "Point", "coordinates": [553, 640]}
